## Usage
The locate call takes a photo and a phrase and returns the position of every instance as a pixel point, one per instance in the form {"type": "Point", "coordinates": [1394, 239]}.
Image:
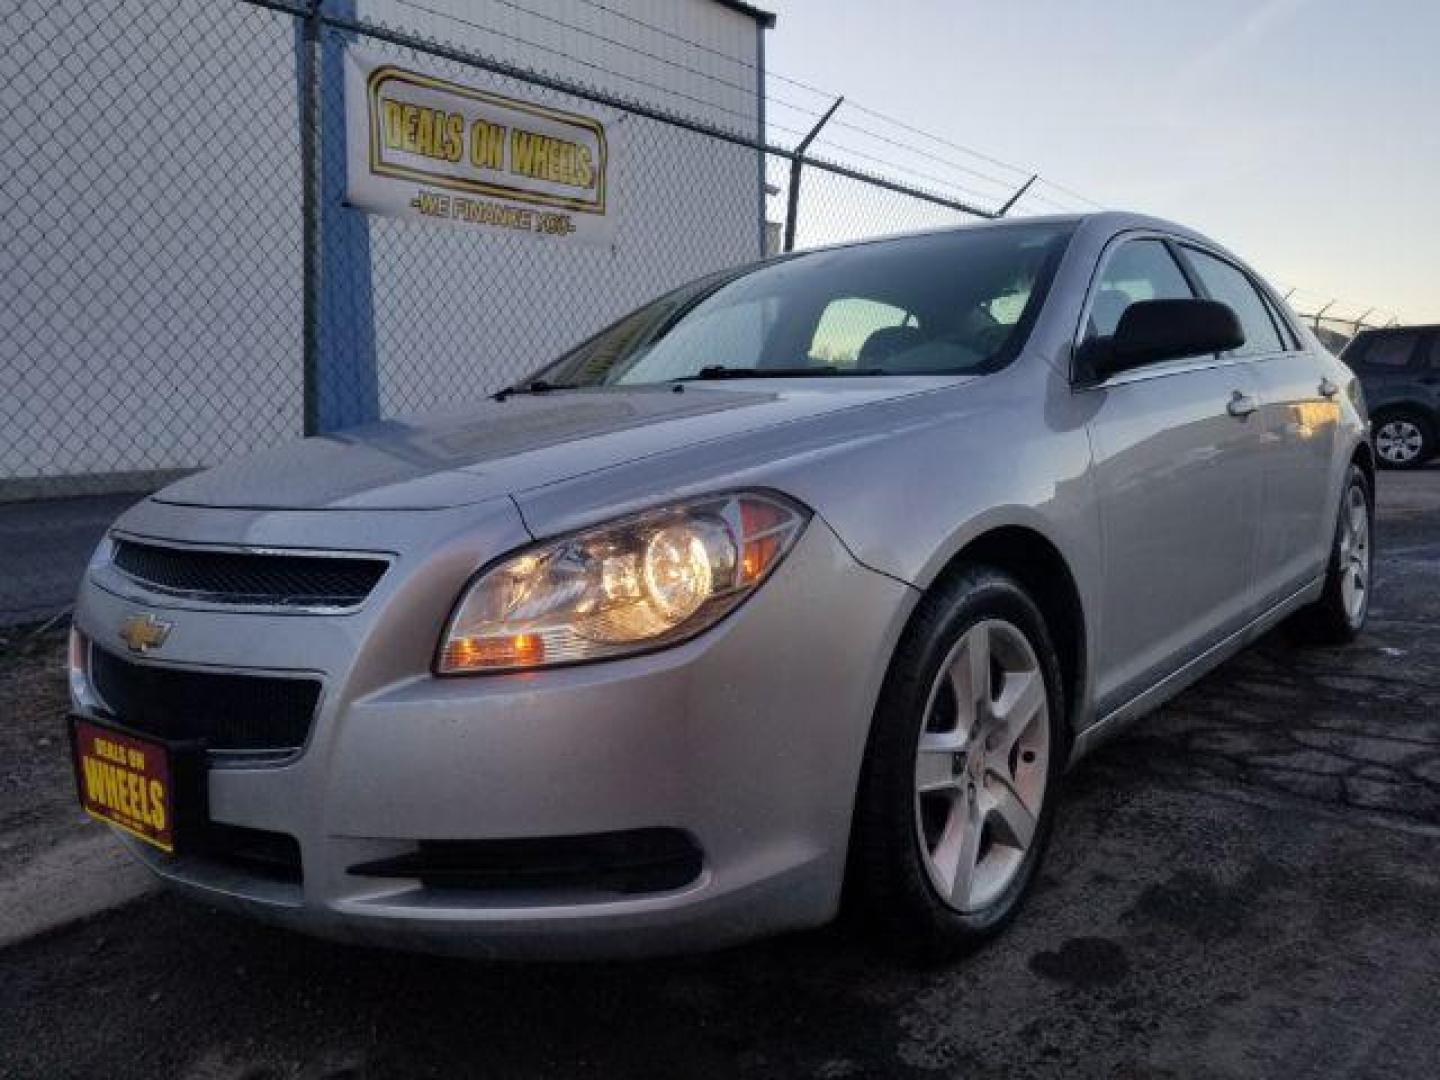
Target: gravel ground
{"type": "Point", "coordinates": [1248, 885]}
{"type": "Point", "coordinates": [37, 805]}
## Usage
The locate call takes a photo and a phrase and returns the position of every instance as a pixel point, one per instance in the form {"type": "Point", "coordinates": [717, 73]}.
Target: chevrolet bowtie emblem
{"type": "Point", "coordinates": [141, 633]}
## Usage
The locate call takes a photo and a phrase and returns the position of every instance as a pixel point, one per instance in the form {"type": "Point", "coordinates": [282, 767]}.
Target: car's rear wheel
{"type": "Point", "coordinates": [1403, 440]}
{"type": "Point", "coordinates": [1339, 615]}
{"type": "Point", "coordinates": [958, 790]}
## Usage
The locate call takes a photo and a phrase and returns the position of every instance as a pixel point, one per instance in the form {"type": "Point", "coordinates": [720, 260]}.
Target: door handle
{"type": "Point", "coordinates": [1329, 388]}
{"type": "Point", "coordinates": [1241, 404]}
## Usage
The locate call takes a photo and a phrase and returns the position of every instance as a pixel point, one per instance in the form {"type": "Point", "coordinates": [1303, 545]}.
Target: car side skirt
{"type": "Point", "coordinates": [1121, 717]}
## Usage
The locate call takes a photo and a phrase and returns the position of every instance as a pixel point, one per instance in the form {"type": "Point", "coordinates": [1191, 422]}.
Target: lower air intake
{"type": "Point", "coordinates": [635, 861]}
{"type": "Point", "coordinates": [228, 711]}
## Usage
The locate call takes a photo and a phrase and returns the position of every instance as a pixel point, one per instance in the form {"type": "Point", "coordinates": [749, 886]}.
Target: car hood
{"type": "Point", "coordinates": [499, 448]}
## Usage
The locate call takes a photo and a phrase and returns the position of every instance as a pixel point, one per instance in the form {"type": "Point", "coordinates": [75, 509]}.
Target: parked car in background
{"type": "Point", "coordinates": [1399, 368]}
{"type": "Point", "coordinates": [814, 572]}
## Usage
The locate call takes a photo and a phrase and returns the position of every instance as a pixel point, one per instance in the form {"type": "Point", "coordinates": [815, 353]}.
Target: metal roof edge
{"type": "Point", "coordinates": [764, 18]}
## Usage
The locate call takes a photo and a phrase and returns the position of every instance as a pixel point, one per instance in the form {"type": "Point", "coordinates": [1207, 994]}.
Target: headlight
{"type": "Point", "coordinates": [637, 584]}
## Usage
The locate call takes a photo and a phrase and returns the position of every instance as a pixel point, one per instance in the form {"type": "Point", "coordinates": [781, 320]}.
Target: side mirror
{"type": "Point", "coordinates": [1155, 330]}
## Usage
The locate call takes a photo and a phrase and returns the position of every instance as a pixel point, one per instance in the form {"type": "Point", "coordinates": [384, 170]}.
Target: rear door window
{"type": "Point", "coordinates": [1139, 270]}
{"type": "Point", "coordinates": [1229, 285]}
{"type": "Point", "coordinates": [1282, 321]}
{"type": "Point", "coordinates": [1390, 352]}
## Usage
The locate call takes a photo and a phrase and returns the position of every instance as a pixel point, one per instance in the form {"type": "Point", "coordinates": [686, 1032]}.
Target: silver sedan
{"type": "Point", "coordinates": [808, 579]}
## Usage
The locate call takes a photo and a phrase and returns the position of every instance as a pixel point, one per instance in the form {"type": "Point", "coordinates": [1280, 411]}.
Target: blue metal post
{"type": "Point", "coordinates": [342, 384]}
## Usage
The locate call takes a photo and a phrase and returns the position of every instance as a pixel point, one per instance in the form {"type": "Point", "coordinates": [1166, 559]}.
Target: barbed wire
{"type": "Point", "coordinates": [945, 182]}
{"type": "Point", "coordinates": [1319, 307]}
{"type": "Point", "coordinates": [771, 99]}
{"type": "Point", "coordinates": [1008, 185]}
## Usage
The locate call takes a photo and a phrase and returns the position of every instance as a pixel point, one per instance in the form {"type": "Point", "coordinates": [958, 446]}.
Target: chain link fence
{"type": "Point", "coordinates": [133, 316]}
{"type": "Point", "coordinates": [458, 315]}
{"type": "Point", "coordinates": [1337, 321]}
{"type": "Point", "coordinates": [182, 282]}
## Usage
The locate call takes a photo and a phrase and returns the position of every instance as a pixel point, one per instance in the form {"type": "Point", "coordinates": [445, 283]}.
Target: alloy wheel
{"type": "Point", "coordinates": [1355, 554]}
{"type": "Point", "coordinates": [1399, 441]}
{"type": "Point", "coordinates": [982, 764]}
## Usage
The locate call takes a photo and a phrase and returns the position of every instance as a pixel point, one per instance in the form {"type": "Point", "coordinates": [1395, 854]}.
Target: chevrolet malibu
{"type": "Point", "coordinates": [806, 580]}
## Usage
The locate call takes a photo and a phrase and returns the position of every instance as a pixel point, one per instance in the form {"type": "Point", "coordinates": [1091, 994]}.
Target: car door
{"type": "Point", "coordinates": [1297, 427]}
{"type": "Point", "coordinates": [1386, 362]}
{"type": "Point", "coordinates": [1429, 376]}
{"type": "Point", "coordinates": [1176, 448]}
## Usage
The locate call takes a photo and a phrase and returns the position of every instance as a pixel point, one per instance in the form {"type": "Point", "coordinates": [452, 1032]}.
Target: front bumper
{"type": "Point", "coordinates": [747, 740]}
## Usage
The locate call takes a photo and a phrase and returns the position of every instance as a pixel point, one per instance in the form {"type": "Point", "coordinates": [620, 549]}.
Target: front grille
{"type": "Point", "coordinates": [262, 580]}
{"type": "Point", "coordinates": [634, 861]}
{"type": "Point", "coordinates": [227, 711]}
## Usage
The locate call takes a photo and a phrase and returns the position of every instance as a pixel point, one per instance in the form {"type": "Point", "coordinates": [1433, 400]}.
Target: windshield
{"type": "Point", "coordinates": [949, 303]}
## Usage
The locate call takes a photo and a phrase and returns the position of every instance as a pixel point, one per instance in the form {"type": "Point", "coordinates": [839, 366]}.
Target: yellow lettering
{"type": "Point", "coordinates": [139, 798]}
{"type": "Point", "coordinates": [121, 793]}
{"type": "Point", "coordinates": [522, 152]}
{"type": "Point", "coordinates": [394, 124]}
{"type": "Point", "coordinates": [110, 751]}
{"type": "Point", "coordinates": [135, 796]}
{"type": "Point", "coordinates": [487, 145]}
{"type": "Point", "coordinates": [546, 158]}
{"type": "Point", "coordinates": [410, 121]}
{"type": "Point", "coordinates": [94, 778]}
{"type": "Point", "coordinates": [112, 794]}
{"type": "Point", "coordinates": [142, 798]}
{"type": "Point", "coordinates": [454, 136]}
{"type": "Point", "coordinates": [418, 130]}
{"type": "Point", "coordinates": [157, 805]}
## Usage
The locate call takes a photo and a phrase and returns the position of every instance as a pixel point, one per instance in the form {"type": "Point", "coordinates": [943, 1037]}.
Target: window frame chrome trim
{"type": "Point", "coordinates": [1165, 368]}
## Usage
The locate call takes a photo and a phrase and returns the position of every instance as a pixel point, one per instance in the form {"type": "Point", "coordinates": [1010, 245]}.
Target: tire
{"type": "Point", "coordinates": [902, 841]}
{"type": "Point", "coordinates": [1404, 439]}
{"type": "Point", "coordinates": [1339, 615]}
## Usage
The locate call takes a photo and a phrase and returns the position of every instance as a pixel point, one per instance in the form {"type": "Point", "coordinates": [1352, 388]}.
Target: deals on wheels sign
{"type": "Point", "coordinates": [424, 146]}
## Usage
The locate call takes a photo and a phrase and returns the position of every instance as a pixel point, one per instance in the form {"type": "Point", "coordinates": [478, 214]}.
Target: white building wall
{"type": "Point", "coordinates": [687, 204]}
{"type": "Point", "coordinates": [150, 229]}
{"type": "Point", "coordinates": [633, 48]}
{"type": "Point", "coordinates": [150, 300]}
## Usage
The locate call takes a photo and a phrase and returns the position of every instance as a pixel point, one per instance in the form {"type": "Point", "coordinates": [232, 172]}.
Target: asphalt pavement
{"type": "Point", "coordinates": [1247, 885]}
{"type": "Point", "coordinates": [44, 546]}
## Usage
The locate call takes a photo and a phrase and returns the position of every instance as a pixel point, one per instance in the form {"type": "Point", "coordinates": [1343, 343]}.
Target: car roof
{"type": "Point", "coordinates": [1401, 328]}
{"type": "Point", "coordinates": [1114, 221]}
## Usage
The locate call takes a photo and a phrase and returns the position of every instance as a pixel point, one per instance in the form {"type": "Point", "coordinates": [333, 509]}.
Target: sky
{"type": "Point", "coordinates": [1302, 134]}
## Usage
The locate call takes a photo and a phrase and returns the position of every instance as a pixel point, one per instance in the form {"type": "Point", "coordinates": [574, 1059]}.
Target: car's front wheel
{"type": "Point", "coordinates": [1403, 440]}
{"type": "Point", "coordinates": [959, 782]}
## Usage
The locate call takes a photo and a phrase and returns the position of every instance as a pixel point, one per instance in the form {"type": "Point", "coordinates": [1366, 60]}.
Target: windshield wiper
{"type": "Point", "coordinates": [536, 386]}
{"type": "Point", "coordinates": [721, 371]}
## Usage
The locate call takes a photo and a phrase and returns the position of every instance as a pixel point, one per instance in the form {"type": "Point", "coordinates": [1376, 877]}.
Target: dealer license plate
{"type": "Point", "coordinates": [125, 781]}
